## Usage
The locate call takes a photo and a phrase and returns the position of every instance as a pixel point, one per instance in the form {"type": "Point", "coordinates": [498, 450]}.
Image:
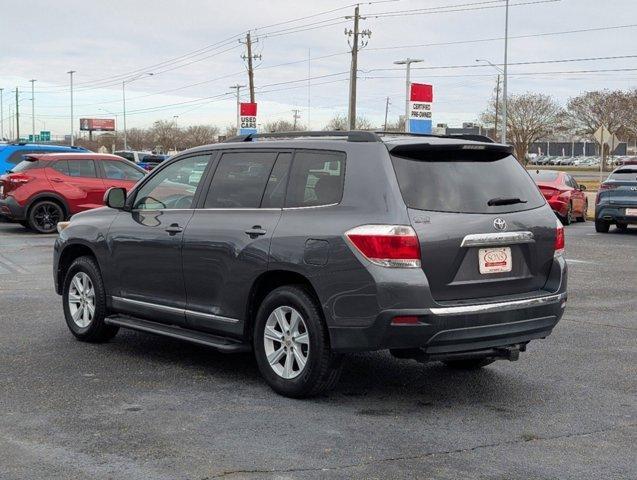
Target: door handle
{"type": "Point", "coordinates": [255, 231]}
{"type": "Point", "coordinates": [174, 229]}
{"type": "Point", "coordinates": [57, 180]}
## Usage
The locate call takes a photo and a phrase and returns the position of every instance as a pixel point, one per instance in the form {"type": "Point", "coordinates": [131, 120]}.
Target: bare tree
{"type": "Point", "coordinates": [166, 136]}
{"type": "Point", "coordinates": [339, 122]}
{"type": "Point", "coordinates": [196, 135]}
{"type": "Point", "coordinates": [283, 126]}
{"type": "Point", "coordinates": [603, 107]}
{"type": "Point", "coordinates": [530, 116]}
{"type": "Point", "coordinates": [138, 139]}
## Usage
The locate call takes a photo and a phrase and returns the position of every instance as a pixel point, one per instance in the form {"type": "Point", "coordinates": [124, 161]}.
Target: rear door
{"type": "Point", "coordinates": [78, 181]}
{"type": "Point", "coordinates": [227, 242]}
{"type": "Point", "coordinates": [483, 225]}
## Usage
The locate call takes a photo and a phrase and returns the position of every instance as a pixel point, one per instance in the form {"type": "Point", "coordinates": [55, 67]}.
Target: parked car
{"type": "Point", "coordinates": [12, 153]}
{"type": "Point", "coordinates": [148, 162]}
{"type": "Point", "coordinates": [616, 201]}
{"type": "Point", "coordinates": [134, 156]}
{"type": "Point", "coordinates": [305, 246]}
{"type": "Point", "coordinates": [43, 190]}
{"type": "Point", "coordinates": [565, 196]}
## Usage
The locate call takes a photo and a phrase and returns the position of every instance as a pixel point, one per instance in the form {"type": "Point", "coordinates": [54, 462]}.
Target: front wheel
{"type": "Point", "coordinates": [291, 344]}
{"type": "Point", "coordinates": [84, 299]}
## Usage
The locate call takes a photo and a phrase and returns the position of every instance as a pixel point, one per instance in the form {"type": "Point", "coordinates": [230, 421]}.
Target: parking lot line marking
{"type": "Point", "coordinates": [574, 260]}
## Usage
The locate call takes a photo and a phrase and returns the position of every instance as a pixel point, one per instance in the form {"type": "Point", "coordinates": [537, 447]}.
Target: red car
{"type": "Point", "coordinates": [43, 190]}
{"type": "Point", "coordinates": [565, 196]}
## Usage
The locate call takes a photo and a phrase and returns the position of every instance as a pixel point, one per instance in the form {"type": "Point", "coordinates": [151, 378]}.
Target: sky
{"type": "Point", "coordinates": [192, 48]}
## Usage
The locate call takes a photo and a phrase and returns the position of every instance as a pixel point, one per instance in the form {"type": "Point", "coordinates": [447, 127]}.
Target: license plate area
{"type": "Point", "coordinates": [494, 260]}
{"type": "Point", "coordinates": [631, 212]}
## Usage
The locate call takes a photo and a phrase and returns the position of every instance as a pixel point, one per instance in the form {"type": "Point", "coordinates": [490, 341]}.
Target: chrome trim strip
{"type": "Point", "coordinates": [500, 238]}
{"type": "Point", "coordinates": [499, 306]}
{"type": "Point", "coordinates": [156, 306]}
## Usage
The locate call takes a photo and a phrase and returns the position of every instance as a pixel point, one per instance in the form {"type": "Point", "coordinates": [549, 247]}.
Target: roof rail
{"type": "Point", "coordinates": [461, 136]}
{"type": "Point", "coordinates": [350, 135]}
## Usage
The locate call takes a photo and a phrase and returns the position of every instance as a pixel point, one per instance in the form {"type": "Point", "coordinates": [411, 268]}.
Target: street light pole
{"type": "Point", "coordinates": [124, 82]}
{"type": "Point", "coordinates": [407, 62]}
{"type": "Point", "coordinates": [32, 109]}
{"type": "Point", "coordinates": [497, 101]}
{"type": "Point", "coordinates": [504, 83]}
{"type": "Point", "coordinates": [71, 72]}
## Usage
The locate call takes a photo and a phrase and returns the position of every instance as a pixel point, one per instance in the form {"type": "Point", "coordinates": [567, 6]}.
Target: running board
{"type": "Point", "coordinates": [223, 344]}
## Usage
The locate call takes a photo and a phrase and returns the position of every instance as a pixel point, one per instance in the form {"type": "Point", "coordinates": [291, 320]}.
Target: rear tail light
{"type": "Point", "coordinates": [405, 320]}
{"type": "Point", "coordinates": [607, 186]}
{"type": "Point", "coordinates": [559, 238]}
{"type": "Point", "coordinates": [394, 246]}
{"type": "Point", "coordinates": [17, 178]}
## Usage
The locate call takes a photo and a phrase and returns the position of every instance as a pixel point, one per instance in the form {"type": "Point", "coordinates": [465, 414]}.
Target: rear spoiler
{"type": "Point", "coordinates": [476, 151]}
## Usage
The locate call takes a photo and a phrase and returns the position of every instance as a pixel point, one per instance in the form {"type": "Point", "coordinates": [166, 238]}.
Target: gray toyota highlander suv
{"type": "Point", "coordinates": [303, 247]}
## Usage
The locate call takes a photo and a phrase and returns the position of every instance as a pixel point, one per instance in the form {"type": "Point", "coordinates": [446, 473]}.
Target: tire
{"type": "Point", "coordinates": [470, 364]}
{"type": "Point", "coordinates": [85, 326]}
{"type": "Point", "coordinates": [322, 367]}
{"type": "Point", "coordinates": [602, 226]}
{"type": "Point", "coordinates": [622, 227]}
{"type": "Point", "coordinates": [44, 216]}
{"type": "Point", "coordinates": [568, 218]}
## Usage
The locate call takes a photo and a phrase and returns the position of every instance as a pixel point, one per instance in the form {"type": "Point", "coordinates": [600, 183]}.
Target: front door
{"type": "Point", "coordinates": [227, 242]}
{"type": "Point", "coordinates": [145, 244]}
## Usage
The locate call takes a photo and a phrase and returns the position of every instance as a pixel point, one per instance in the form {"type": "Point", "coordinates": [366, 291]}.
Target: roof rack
{"type": "Point", "coordinates": [460, 136]}
{"type": "Point", "coordinates": [350, 135]}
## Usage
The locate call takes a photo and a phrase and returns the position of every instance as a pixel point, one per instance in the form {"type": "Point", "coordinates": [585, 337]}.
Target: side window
{"type": "Point", "coordinates": [82, 168]}
{"type": "Point", "coordinates": [240, 180]}
{"type": "Point", "coordinates": [316, 179]}
{"type": "Point", "coordinates": [61, 166]}
{"type": "Point", "coordinates": [120, 171]}
{"type": "Point", "coordinates": [274, 196]}
{"type": "Point", "coordinates": [173, 187]}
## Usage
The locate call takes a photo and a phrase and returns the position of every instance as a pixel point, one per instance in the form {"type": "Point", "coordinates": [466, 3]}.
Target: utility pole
{"type": "Point", "coordinates": [1, 115]}
{"type": "Point", "coordinates": [238, 87]}
{"type": "Point", "coordinates": [17, 116]}
{"type": "Point", "coordinates": [407, 62]}
{"type": "Point", "coordinates": [504, 88]}
{"type": "Point", "coordinates": [295, 115]}
{"type": "Point", "coordinates": [497, 105]}
{"type": "Point", "coordinates": [32, 109]}
{"type": "Point", "coordinates": [71, 72]}
{"type": "Point", "coordinates": [355, 34]}
{"type": "Point", "coordinates": [249, 57]}
{"type": "Point", "coordinates": [386, 112]}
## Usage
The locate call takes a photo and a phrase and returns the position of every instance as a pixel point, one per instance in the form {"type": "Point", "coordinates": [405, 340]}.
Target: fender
{"type": "Point", "coordinates": [49, 194]}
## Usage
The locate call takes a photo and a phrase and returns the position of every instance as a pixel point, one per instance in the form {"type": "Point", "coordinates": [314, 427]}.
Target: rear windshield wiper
{"type": "Point", "coordinates": [505, 201]}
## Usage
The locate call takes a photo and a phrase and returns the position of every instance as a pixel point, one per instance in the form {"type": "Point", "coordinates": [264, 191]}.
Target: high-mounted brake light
{"type": "Point", "coordinates": [394, 246]}
{"type": "Point", "coordinates": [559, 238]}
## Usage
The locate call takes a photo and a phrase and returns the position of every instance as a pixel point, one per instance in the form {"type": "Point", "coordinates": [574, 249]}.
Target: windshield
{"type": "Point", "coordinates": [460, 184]}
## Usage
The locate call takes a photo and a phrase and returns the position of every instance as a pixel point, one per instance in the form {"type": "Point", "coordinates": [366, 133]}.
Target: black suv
{"type": "Point", "coordinates": [302, 247]}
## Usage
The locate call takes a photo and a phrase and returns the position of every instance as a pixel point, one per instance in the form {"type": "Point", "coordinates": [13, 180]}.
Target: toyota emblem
{"type": "Point", "coordinates": [499, 224]}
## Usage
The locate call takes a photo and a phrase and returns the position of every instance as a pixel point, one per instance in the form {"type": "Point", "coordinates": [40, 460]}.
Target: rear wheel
{"type": "Point", "coordinates": [622, 226]}
{"type": "Point", "coordinates": [84, 299]}
{"type": "Point", "coordinates": [469, 364]}
{"type": "Point", "coordinates": [602, 226]}
{"type": "Point", "coordinates": [291, 344]}
{"type": "Point", "coordinates": [44, 216]}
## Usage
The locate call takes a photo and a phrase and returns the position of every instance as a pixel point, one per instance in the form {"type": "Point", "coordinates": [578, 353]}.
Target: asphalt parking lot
{"type": "Point", "coordinates": [144, 407]}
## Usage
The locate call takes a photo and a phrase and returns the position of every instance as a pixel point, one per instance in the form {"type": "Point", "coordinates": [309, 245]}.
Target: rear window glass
{"type": "Point", "coordinates": [544, 175]}
{"type": "Point", "coordinates": [316, 179]}
{"type": "Point", "coordinates": [624, 174]}
{"type": "Point", "coordinates": [25, 165]}
{"type": "Point", "coordinates": [454, 182]}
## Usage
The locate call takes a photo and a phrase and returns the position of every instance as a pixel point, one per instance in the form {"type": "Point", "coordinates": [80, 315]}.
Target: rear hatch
{"type": "Point", "coordinates": [479, 219]}
{"type": "Point", "coordinates": [621, 187]}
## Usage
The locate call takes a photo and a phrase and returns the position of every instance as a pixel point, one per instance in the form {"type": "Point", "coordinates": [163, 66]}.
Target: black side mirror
{"type": "Point", "coordinates": [115, 198]}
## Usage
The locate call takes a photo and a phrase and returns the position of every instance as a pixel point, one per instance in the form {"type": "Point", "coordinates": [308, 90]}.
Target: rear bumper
{"type": "Point", "coordinates": [11, 209]}
{"type": "Point", "coordinates": [614, 213]}
{"type": "Point", "coordinates": [464, 328]}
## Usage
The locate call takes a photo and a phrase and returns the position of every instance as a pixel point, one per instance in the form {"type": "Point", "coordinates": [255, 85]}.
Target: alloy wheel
{"type": "Point", "coordinates": [287, 342]}
{"type": "Point", "coordinates": [81, 299]}
{"type": "Point", "coordinates": [46, 216]}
